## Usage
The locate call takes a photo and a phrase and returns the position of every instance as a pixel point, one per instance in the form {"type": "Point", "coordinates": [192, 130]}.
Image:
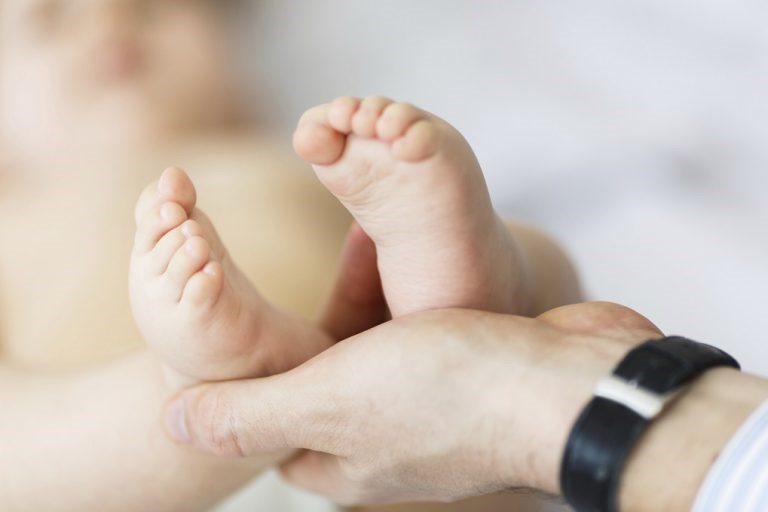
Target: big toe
{"type": "Point", "coordinates": [174, 185]}
{"type": "Point", "coordinates": [318, 143]}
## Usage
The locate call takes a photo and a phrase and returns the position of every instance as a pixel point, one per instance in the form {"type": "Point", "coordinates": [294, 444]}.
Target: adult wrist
{"type": "Point", "coordinates": [667, 466]}
{"type": "Point", "coordinates": [560, 385]}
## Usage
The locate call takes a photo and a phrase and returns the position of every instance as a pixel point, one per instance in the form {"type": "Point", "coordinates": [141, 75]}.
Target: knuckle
{"type": "Point", "coordinates": [218, 426]}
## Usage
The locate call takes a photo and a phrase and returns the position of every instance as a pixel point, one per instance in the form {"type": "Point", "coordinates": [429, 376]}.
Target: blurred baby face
{"type": "Point", "coordinates": [76, 74]}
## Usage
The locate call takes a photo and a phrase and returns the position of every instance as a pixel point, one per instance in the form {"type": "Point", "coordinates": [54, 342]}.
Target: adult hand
{"type": "Point", "coordinates": [436, 406]}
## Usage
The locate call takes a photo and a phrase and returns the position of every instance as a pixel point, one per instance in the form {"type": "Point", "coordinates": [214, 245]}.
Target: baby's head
{"type": "Point", "coordinates": [114, 73]}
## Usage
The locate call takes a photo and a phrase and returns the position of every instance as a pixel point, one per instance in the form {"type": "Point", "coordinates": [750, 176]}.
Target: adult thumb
{"type": "Point", "coordinates": [243, 418]}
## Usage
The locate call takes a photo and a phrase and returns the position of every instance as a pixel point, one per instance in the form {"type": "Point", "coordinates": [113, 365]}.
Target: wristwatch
{"type": "Point", "coordinates": [624, 404]}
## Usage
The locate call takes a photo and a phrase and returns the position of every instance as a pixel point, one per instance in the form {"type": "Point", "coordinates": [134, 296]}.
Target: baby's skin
{"type": "Point", "coordinates": [194, 306]}
{"type": "Point", "coordinates": [412, 183]}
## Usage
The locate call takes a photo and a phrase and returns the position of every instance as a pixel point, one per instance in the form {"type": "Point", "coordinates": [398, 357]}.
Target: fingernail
{"type": "Point", "coordinates": [176, 422]}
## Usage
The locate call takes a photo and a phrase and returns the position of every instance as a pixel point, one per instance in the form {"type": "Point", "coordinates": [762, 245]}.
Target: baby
{"type": "Point", "coordinates": [95, 96]}
{"type": "Point", "coordinates": [413, 185]}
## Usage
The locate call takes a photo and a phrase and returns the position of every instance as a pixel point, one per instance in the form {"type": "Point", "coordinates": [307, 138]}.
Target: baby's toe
{"type": "Point", "coordinates": [157, 261]}
{"type": "Point", "coordinates": [156, 224]}
{"type": "Point", "coordinates": [396, 119]}
{"type": "Point", "coordinates": [190, 258]}
{"type": "Point", "coordinates": [340, 113]}
{"type": "Point", "coordinates": [364, 120]}
{"type": "Point", "coordinates": [315, 140]}
{"type": "Point", "coordinates": [204, 288]}
{"type": "Point", "coordinates": [420, 142]}
{"type": "Point", "coordinates": [175, 185]}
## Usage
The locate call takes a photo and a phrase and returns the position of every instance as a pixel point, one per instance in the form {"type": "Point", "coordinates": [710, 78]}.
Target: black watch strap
{"type": "Point", "coordinates": [624, 404]}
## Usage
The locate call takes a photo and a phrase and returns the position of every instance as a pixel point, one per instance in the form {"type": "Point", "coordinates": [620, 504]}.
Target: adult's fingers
{"type": "Point", "coordinates": [602, 318]}
{"type": "Point", "coordinates": [357, 301]}
{"type": "Point", "coordinates": [248, 417]}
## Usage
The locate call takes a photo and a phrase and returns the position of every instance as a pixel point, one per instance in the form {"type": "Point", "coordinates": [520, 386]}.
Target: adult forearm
{"type": "Point", "coordinates": [95, 441]}
{"type": "Point", "coordinates": [668, 466]}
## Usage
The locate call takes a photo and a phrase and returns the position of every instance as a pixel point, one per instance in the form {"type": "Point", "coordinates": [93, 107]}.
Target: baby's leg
{"type": "Point", "coordinates": [414, 185]}
{"type": "Point", "coordinates": [192, 303]}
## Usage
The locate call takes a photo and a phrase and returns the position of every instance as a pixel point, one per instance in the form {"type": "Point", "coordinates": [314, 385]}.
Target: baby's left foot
{"type": "Point", "coordinates": [194, 306]}
{"type": "Point", "coordinates": [414, 185]}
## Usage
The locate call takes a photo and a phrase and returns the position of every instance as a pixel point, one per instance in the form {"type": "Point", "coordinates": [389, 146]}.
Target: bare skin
{"type": "Point", "coordinates": [194, 305]}
{"type": "Point", "coordinates": [110, 92]}
{"type": "Point", "coordinates": [91, 441]}
{"type": "Point", "coordinates": [201, 275]}
{"type": "Point", "coordinates": [498, 394]}
{"type": "Point", "coordinates": [84, 334]}
{"type": "Point", "coordinates": [208, 322]}
{"type": "Point", "coordinates": [37, 219]}
{"type": "Point", "coordinates": [415, 187]}
{"type": "Point", "coordinates": [71, 376]}
{"type": "Point", "coordinates": [97, 83]}
{"type": "Point", "coordinates": [517, 404]}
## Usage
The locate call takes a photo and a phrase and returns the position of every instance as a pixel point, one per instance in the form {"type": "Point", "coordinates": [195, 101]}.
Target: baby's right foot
{"type": "Point", "coordinates": [414, 185]}
{"type": "Point", "coordinates": [194, 306]}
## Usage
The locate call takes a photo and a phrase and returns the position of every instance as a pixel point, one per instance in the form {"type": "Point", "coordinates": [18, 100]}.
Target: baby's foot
{"type": "Point", "coordinates": [194, 306]}
{"type": "Point", "coordinates": [414, 185]}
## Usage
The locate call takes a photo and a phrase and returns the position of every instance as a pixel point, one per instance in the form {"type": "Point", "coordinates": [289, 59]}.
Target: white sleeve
{"type": "Point", "coordinates": [738, 480]}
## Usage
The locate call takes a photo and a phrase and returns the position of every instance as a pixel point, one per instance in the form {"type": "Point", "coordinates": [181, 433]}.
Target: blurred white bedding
{"type": "Point", "coordinates": [634, 131]}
